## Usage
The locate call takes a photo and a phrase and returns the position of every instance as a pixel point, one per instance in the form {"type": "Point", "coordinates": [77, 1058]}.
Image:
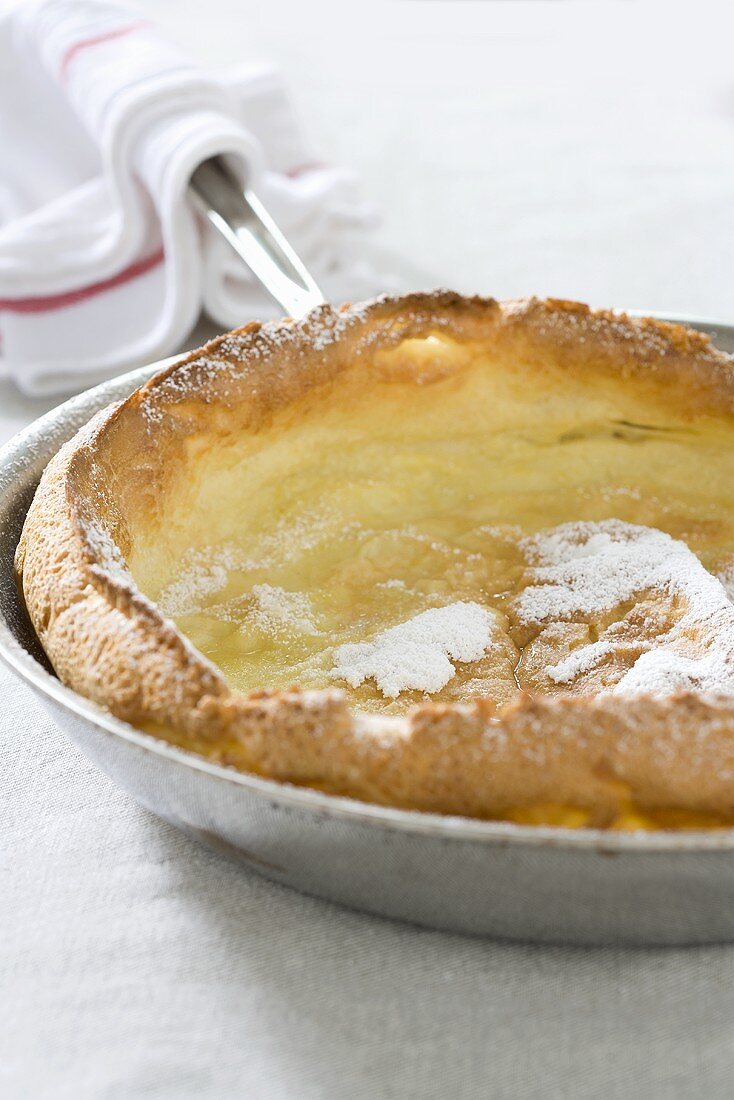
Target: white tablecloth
{"type": "Point", "coordinates": [527, 147]}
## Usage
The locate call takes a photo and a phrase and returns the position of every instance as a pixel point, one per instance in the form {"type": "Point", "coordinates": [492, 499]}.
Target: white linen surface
{"type": "Point", "coordinates": [138, 964]}
{"type": "Point", "coordinates": [103, 261]}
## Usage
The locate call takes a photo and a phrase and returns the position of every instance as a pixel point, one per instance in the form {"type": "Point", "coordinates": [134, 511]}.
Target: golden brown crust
{"type": "Point", "coordinates": [110, 643]}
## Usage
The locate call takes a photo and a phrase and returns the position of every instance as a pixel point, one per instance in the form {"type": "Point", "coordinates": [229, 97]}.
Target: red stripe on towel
{"type": "Point", "coordinates": [95, 40]}
{"type": "Point", "coordinates": [48, 302]}
{"type": "Point", "coordinates": [304, 169]}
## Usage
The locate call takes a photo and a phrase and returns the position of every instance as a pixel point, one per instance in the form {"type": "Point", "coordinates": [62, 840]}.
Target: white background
{"type": "Point", "coordinates": [570, 149]}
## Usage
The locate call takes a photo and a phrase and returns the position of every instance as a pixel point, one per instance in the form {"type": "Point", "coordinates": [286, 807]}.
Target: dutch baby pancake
{"type": "Point", "coordinates": [433, 552]}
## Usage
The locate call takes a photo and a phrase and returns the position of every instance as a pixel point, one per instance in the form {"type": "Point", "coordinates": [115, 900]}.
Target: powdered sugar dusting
{"type": "Point", "coordinates": [205, 572]}
{"type": "Point", "coordinates": [417, 654]}
{"type": "Point", "coordinates": [275, 609]}
{"type": "Point", "coordinates": [203, 576]}
{"type": "Point", "coordinates": [582, 569]}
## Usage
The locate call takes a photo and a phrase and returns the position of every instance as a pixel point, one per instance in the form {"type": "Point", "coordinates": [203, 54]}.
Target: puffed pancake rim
{"type": "Point", "coordinates": [578, 416]}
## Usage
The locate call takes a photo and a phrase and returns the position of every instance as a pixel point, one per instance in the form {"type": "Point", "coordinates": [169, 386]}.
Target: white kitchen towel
{"type": "Point", "coordinates": [103, 261]}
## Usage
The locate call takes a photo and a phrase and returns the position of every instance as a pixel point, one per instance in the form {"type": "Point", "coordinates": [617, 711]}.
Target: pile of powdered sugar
{"type": "Point", "coordinates": [579, 569]}
{"type": "Point", "coordinates": [417, 654]}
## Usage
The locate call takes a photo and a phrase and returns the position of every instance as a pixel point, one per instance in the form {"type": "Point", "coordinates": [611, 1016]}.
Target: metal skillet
{"type": "Point", "coordinates": [521, 882]}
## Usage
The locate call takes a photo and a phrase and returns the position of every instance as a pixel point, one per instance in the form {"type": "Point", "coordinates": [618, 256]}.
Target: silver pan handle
{"type": "Point", "coordinates": [244, 223]}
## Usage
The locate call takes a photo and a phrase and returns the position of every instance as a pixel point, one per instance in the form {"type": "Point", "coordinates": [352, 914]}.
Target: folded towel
{"type": "Point", "coordinates": [104, 262]}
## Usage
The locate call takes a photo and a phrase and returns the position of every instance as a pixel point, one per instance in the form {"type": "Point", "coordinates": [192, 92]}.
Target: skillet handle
{"type": "Point", "coordinates": [247, 227]}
